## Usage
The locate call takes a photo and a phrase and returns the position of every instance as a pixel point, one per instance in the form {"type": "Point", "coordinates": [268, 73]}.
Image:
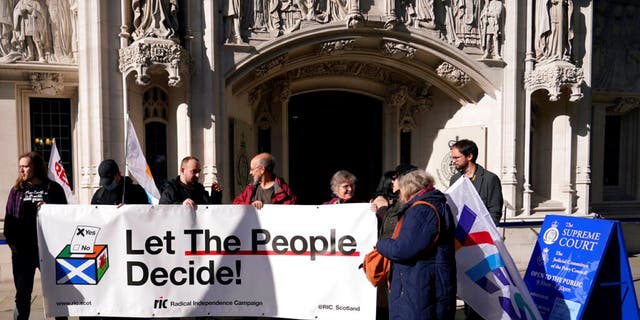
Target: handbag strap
{"type": "Point", "coordinates": [396, 230]}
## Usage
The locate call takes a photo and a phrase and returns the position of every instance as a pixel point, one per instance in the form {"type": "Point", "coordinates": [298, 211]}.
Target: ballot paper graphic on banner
{"type": "Point", "coordinates": [82, 261]}
{"type": "Point", "coordinates": [84, 239]}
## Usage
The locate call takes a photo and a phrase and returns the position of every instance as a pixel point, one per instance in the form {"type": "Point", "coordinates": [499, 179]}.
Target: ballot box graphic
{"type": "Point", "coordinates": [82, 268]}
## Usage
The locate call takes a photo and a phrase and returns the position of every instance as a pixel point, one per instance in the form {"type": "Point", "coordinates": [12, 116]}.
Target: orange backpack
{"type": "Point", "coordinates": [377, 267]}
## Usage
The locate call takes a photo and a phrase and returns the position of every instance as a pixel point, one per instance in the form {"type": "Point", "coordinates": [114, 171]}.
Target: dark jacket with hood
{"type": "Point", "coordinates": [423, 277]}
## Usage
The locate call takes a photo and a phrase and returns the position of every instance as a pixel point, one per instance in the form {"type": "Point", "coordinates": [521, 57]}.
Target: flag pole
{"type": "Point", "coordinates": [125, 111]}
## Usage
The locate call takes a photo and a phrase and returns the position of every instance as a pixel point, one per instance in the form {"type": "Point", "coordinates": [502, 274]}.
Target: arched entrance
{"type": "Point", "coordinates": [330, 131]}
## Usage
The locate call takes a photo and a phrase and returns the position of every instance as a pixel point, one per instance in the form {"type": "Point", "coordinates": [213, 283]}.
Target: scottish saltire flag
{"type": "Point", "coordinates": [488, 279]}
{"type": "Point", "coordinates": [137, 164]}
{"type": "Point", "coordinates": [56, 173]}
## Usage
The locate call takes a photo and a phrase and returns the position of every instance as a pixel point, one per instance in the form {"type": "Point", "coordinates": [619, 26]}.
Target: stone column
{"type": "Point", "coordinates": [94, 99]}
{"type": "Point", "coordinates": [284, 94]}
{"type": "Point", "coordinates": [512, 97]}
{"type": "Point", "coordinates": [561, 161]}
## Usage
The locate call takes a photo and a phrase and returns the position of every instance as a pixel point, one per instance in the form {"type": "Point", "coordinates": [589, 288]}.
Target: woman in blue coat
{"type": "Point", "coordinates": [423, 268]}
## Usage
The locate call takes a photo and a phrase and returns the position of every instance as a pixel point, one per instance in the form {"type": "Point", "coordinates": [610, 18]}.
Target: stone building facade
{"type": "Point", "coordinates": [547, 88]}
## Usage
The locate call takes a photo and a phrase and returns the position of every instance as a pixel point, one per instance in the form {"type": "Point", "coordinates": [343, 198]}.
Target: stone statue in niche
{"type": "Point", "coordinates": [259, 21]}
{"type": "Point", "coordinates": [31, 30]}
{"type": "Point", "coordinates": [6, 26]}
{"type": "Point", "coordinates": [155, 19]}
{"type": "Point", "coordinates": [466, 16]}
{"type": "Point", "coordinates": [307, 9]}
{"type": "Point", "coordinates": [284, 17]}
{"type": "Point", "coordinates": [334, 10]}
{"type": "Point", "coordinates": [554, 29]}
{"type": "Point", "coordinates": [231, 11]}
{"type": "Point", "coordinates": [421, 13]}
{"type": "Point", "coordinates": [61, 30]}
{"type": "Point", "coordinates": [449, 24]}
{"type": "Point", "coordinates": [491, 29]}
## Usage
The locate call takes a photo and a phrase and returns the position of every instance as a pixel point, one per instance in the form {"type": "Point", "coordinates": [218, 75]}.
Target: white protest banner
{"type": "Point", "coordinates": [488, 279]}
{"type": "Point", "coordinates": [292, 261]}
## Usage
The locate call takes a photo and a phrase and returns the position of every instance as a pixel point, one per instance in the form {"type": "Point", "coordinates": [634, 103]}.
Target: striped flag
{"type": "Point", "coordinates": [137, 164]}
{"type": "Point", "coordinates": [56, 173]}
{"type": "Point", "coordinates": [488, 279]}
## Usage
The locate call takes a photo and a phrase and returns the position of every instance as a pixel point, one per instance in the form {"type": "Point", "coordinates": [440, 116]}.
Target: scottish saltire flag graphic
{"type": "Point", "coordinates": [137, 164]}
{"type": "Point", "coordinates": [56, 173]}
{"type": "Point", "coordinates": [488, 279]}
{"type": "Point", "coordinates": [74, 268]}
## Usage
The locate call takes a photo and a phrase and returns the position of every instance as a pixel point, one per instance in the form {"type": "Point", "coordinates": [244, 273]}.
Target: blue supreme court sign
{"type": "Point", "coordinates": [579, 270]}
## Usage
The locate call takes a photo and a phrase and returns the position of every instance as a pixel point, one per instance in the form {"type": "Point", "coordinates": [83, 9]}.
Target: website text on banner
{"type": "Point", "coordinates": [167, 261]}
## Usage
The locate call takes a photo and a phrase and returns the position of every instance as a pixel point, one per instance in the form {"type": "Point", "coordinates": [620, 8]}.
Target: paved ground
{"type": "Point", "coordinates": [37, 311]}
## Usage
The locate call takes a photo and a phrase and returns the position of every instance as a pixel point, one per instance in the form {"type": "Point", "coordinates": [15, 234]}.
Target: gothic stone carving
{"type": "Point", "coordinates": [147, 54]}
{"type": "Point", "coordinates": [553, 30]}
{"type": "Point", "coordinates": [330, 47]}
{"type": "Point", "coordinates": [554, 77]}
{"type": "Point", "coordinates": [367, 71]}
{"type": "Point", "coordinates": [624, 105]}
{"type": "Point", "coordinates": [452, 74]}
{"type": "Point", "coordinates": [155, 19]}
{"type": "Point", "coordinates": [491, 29]}
{"type": "Point", "coordinates": [31, 30]}
{"type": "Point", "coordinates": [411, 100]}
{"type": "Point", "coordinates": [231, 10]}
{"type": "Point", "coordinates": [398, 50]}
{"type": "Point", "coordinates": [46, 83]}
{"type": "Point", "coordinates": [264, 68]}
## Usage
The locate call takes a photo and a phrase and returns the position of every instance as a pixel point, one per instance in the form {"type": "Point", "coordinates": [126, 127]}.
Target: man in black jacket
{"type": "Point", "coordinates": [113, 185]}
{"type": "Point", "coordinates": [186, 189]}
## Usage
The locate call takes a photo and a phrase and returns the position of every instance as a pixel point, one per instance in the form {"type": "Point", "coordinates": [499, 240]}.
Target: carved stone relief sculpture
{"type": "Point", "coordinates": [46, 83]}
{"type": "Point", "coordinates": [452, 74]}
{"type": "Point", "coordinates": [554, 30]}
{"type": "Point", "coordinates": [421, 13]}
{"type": "Point", "coordinates": [333, 10]}
{"type": "Point", "coordinates": [38, 30]}
{"type": "Point", "coordinates": [31, 33]}
{"type": "Point", "coordinates": [553, 36]}
{"type": "Point", "coordinates": [156, 44]}
{"type": "Point", "coordinates": [6, 26]}
{"type": "Point", "coordinates": [155, 19]}
{"type": "Point", "coordinates": [231, 10]}
{"type": "Point", "coordinates": [62, 23]}
{"type": "Point", "coordinates": [491, 29]}
{"type": "Point", "coordinates": [466, 15]}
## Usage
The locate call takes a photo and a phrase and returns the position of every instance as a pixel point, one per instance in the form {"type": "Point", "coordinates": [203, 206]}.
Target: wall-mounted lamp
{"type": "Point", "coordinates": [43, 141]}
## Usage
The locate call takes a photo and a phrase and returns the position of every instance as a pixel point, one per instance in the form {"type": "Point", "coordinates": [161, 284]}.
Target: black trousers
{"type": "Point", "coordinates": [24, 267]}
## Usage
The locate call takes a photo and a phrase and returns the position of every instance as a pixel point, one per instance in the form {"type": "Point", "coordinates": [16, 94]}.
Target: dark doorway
{"type": "Point", "coordinates": [330, 131]}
